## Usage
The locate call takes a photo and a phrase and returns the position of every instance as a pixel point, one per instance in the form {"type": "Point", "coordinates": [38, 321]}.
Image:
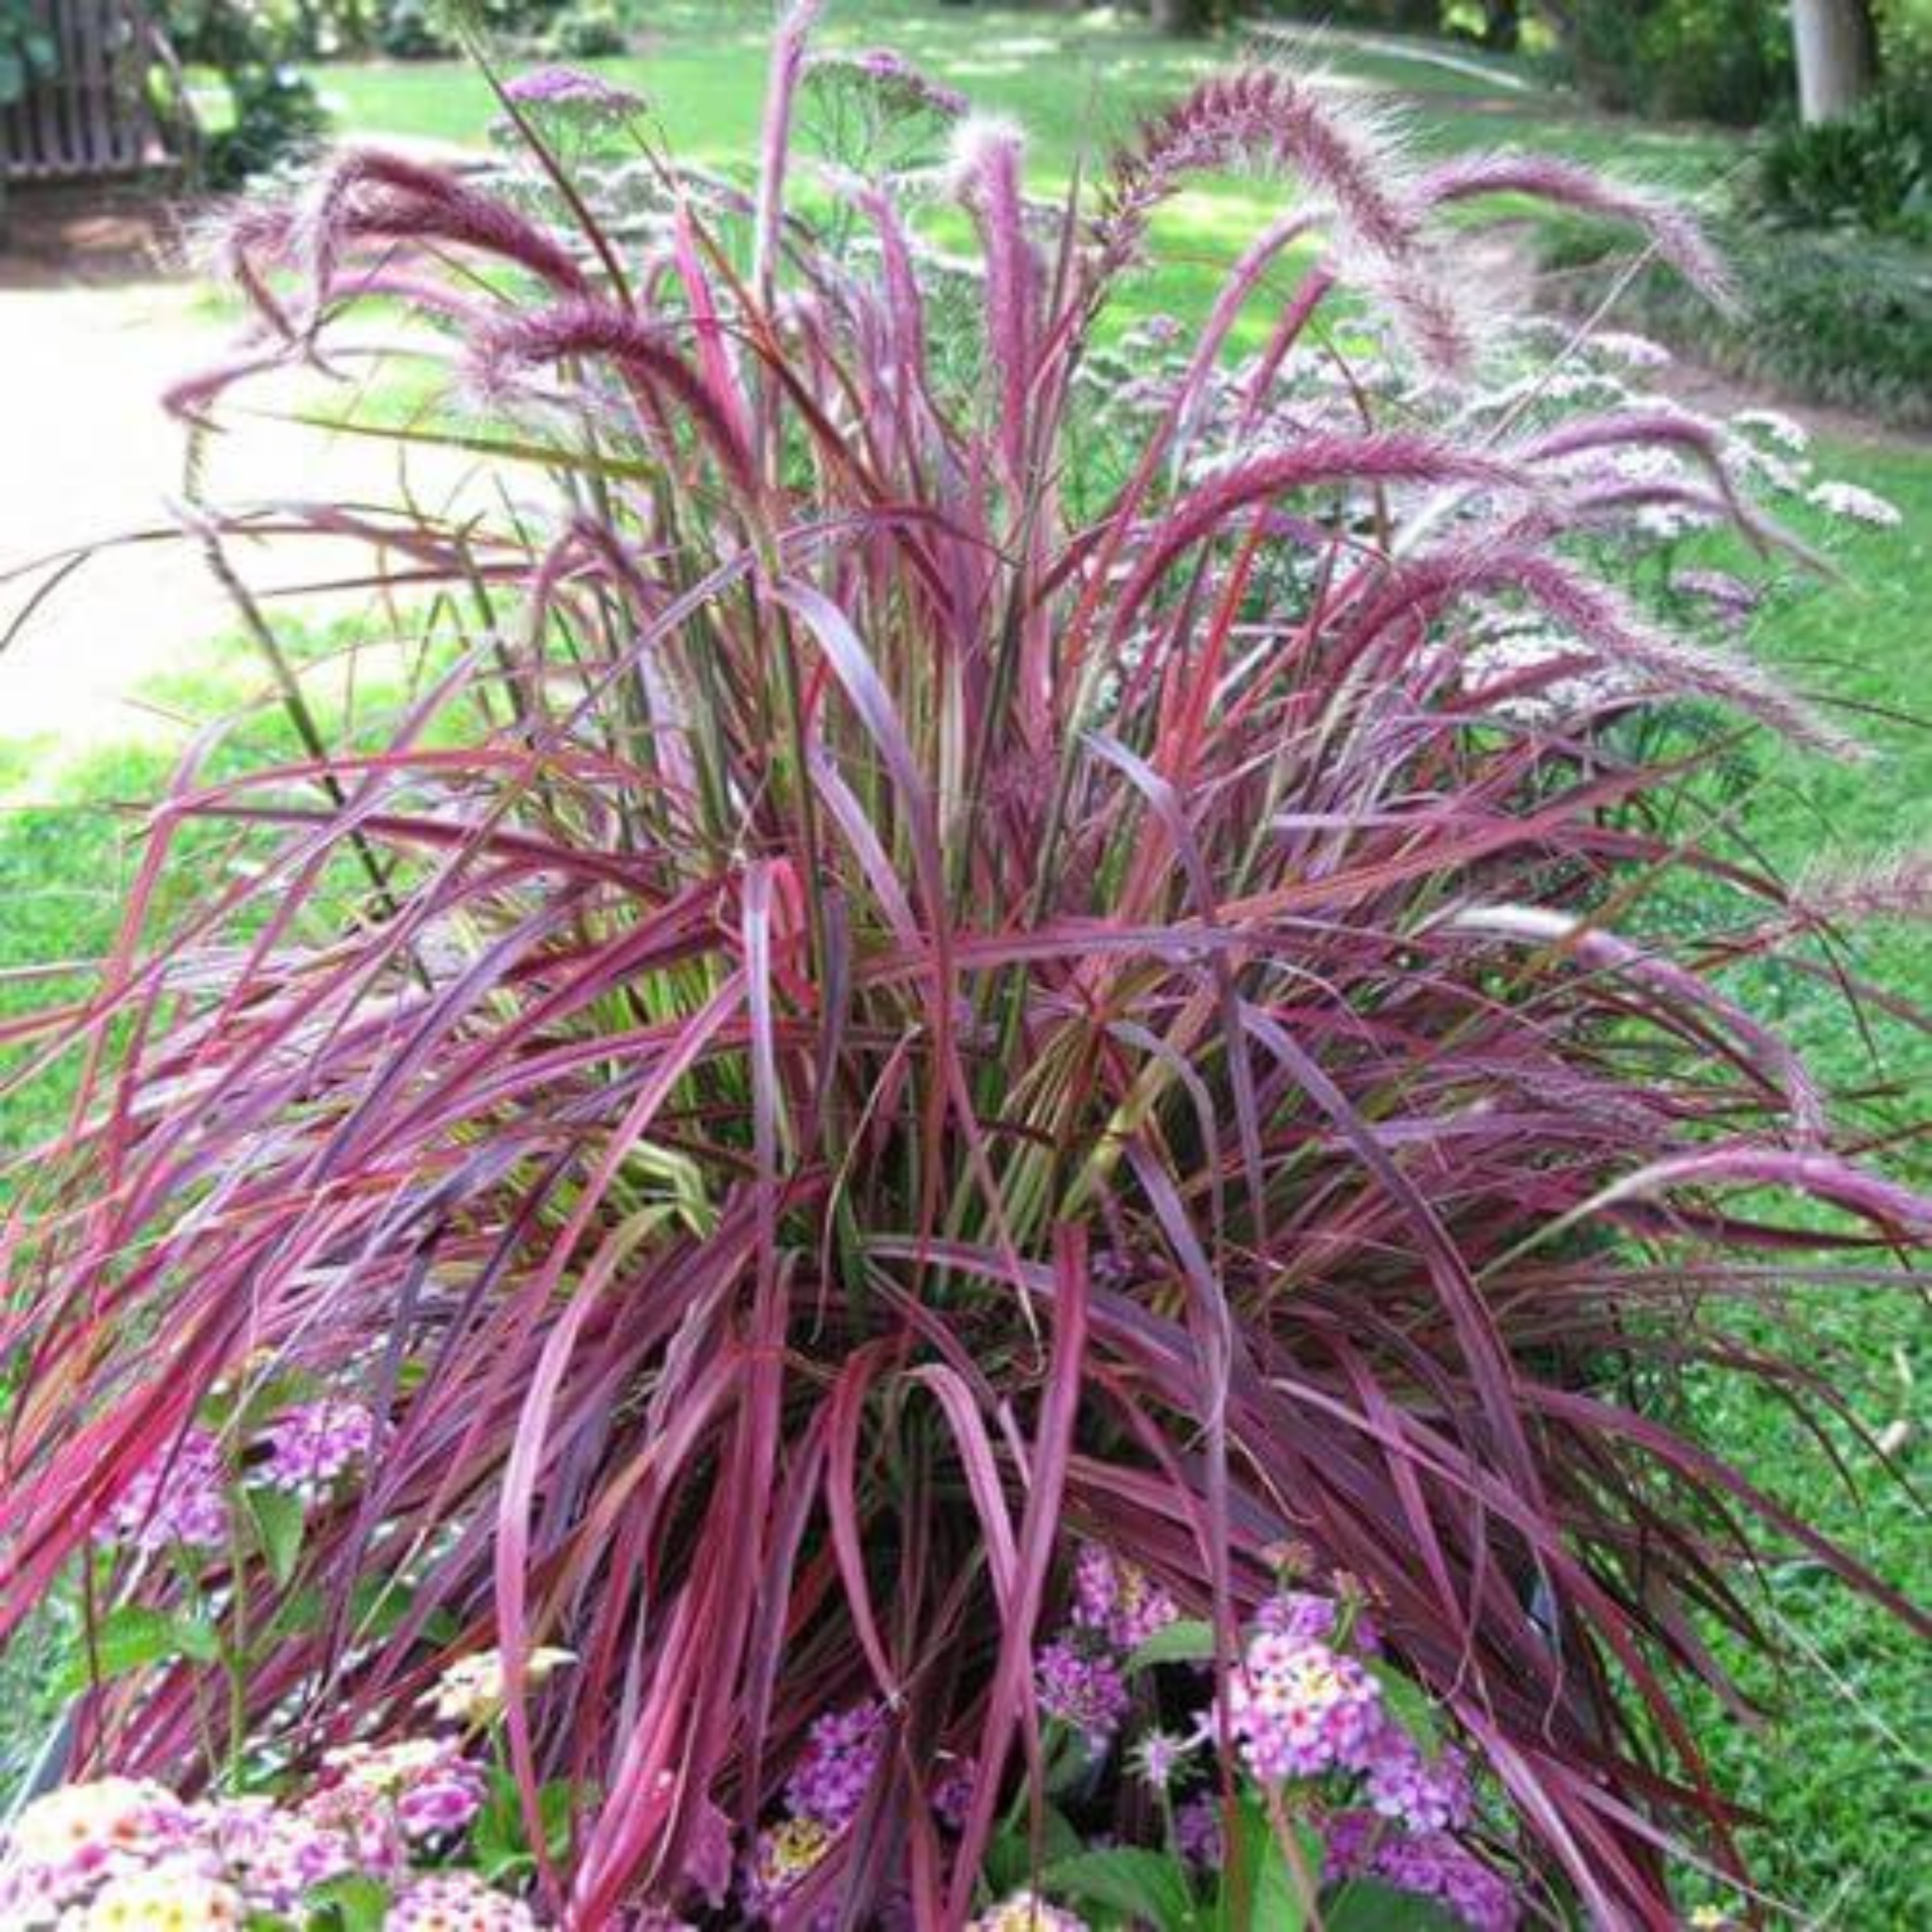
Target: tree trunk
{"type": "Point", "coordinates": [1837, 55]}
{"type": "Point", "coordinates": [1175, 16]}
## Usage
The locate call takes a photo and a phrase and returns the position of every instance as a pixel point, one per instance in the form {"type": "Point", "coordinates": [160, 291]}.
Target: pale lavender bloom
{"type": "Point", "coordinates": [1730, 599]}
{"type": "Point", "coordinates": [1159, 1755]}
{"type": "Point", "coordinates": [901, 88]}
{"type": "Point", "coordinates": [1638, 352]}
{"type": "Point", "coordinates": [179, 1498]}
{"type": "Point", "coordinates": [313, 1443]}
{"type": "Point", "coordinates": [1785, 431]}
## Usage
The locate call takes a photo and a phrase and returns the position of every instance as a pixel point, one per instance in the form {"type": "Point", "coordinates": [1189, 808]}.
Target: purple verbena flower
{"type": "Point", "coordinates": [1197, 1831]}
{"type": "Point", "coordinates": [1302, 1616]}
{"type": "Point", "coordinates": [314, 1443]}
{"type": "Point", "coordinates": [457, 1901]}
{"type": "Point", "coordinates": [1437, 1867]}
{"type": "Point", "coordinates": [781, 1858]}
{"type": "Point", "coordinates": [180, 1497]}
{"type": "Point", "coordinates": [841, 1757]}
{"type": "Point", "coordinates": [1083, 1686]}
{"type": "Point", "coordinates": [278, 1856]}
{"type": "Point", "coordinates": [1425, 1794]}
{"type": "Point", "coordinates": [1118, 1599]}
{"type": "Point", "coordinates": [428, 1784]}
{"type": "Point", "coordinates": [1348, 1840]}
{"type": "Point", "coordinates": [952, 1790]}
{"type": "Point", "coordinates": [443, 1801]}
{"type": "Point", "coordinates": [366, 1817]}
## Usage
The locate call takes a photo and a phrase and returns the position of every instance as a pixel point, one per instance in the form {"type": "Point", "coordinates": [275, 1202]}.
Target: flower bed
{"type": "Point", "coordinates": [951, 1193]}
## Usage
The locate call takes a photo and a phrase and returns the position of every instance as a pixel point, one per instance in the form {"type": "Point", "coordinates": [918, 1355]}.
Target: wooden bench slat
{"type": "Point", "coordinates": [92, 116]}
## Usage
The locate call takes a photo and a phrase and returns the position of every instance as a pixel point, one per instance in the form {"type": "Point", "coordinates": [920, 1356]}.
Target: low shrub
{"type": "Point", "coordinates": [1872, 169]}
{"type": "Point", "coordinates": [433, 29]}
{"type": "Point", "coordinates": [274, 115]}
{"type": "Point", "coordinates": [1843, 320]}
{"type": "Point", "coordinates": [989, 1073]}
{"type": "Point", "coordinates": [413, 30]}
{"type": "Point", "coordinates": [589, 30]}
{"type": "Point", "coordinates": [278, 118]}
{"type": "Point", "coordinates": [1718, 60]}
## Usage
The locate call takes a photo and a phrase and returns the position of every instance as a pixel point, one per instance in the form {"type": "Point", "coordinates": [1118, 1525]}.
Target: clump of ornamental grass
{"type": "Point", "coordinates": [879, 1019]}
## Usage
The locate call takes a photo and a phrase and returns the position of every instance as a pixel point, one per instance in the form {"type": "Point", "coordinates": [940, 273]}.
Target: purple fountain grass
{"type": "Point", "coordinates": [868, 1024]}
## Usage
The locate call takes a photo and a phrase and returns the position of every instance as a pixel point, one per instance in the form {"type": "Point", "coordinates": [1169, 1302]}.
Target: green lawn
{"type": "Point", "coordinates": [1072, 77]}
{"type": "Point", "coordinates": [1843, 1776]}
{"type": "Point", "coordinates": [1841, 1779]}
{"type": "Point", "coordinates": [1076, 80]}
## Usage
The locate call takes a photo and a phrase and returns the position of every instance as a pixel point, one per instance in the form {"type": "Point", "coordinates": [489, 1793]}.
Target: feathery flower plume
{"type": "Point", "coordinates": [1673, 232]}
{"type": "Point", "coordinates": [1899, 887]}
{"type": "Point", "coordinates": [641, 349]}
{"type": "Point", "coordinates": [987, 151]}
{"type": "Point", "coordinates": [1344, 154]}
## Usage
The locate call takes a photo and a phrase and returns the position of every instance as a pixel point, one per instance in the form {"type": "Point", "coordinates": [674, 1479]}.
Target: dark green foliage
{"type": "Point", "coordinates": [1832, 318]}
{"type": "Point", "coordinates": [588, 30]}
{"type": "Point", "coordinates": [278, 117]}
{"type": "Point", "coordinates": [1401, 16]}
{"type": "Point", "coordinates": [1718, 60]}
{"type": "Point", "coordinates": [275, 114]}
{"type": "Point", "coordinates": [1873, 169]}
{"type": "Point", "coordinates": [409, 31]}
{"type": "Point", "coordinates": [27, 52]}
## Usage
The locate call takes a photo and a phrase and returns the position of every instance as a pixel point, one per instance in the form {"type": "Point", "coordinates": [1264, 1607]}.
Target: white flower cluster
{"type": "Point", "coordinates": [1518, 658]}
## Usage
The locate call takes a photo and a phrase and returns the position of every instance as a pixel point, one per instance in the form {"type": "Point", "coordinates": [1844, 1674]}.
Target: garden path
{"type": "Point", "coordinates": [98, 317]}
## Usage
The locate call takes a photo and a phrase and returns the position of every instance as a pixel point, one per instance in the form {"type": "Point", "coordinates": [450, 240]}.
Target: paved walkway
{"type": "Point", "coordinates": [96, 322]}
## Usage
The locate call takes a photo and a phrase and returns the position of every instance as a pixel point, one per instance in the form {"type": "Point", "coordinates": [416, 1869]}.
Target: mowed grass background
{"type": "Point", "coordinates": [1840, 1772]}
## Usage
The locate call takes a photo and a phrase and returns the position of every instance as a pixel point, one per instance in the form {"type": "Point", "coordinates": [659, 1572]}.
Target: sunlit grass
{"type": "Point", "coordinates": [1848, 1805]}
